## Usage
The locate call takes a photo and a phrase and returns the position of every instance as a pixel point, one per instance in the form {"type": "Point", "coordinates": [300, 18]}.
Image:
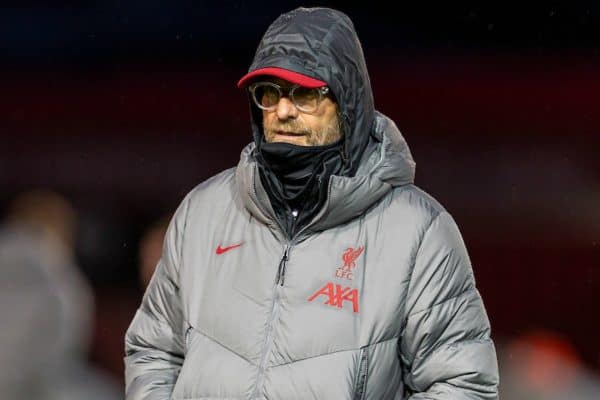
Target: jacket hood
{"type": "Point", "coordinates": [322, 43]}
{"type": "Point", "coordinates": [389, 165]}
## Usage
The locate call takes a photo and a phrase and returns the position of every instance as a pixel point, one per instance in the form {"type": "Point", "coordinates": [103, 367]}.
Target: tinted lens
{"type": "Point", "coordinates": [306, 99]}
{"type": "Point", "coordinates": [266, 95]}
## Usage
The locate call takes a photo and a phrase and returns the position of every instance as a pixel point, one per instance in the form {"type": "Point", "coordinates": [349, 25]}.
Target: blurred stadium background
{"type": "Point", "coordinates": [123, 107]}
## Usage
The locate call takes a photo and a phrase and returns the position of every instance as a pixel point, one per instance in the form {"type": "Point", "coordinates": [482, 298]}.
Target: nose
{"type": "Point", "coordinates": [286, 109]}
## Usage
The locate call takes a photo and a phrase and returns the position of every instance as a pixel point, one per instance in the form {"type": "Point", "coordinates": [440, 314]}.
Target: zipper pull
{"type": "Point", "coordinates": [281, 269]}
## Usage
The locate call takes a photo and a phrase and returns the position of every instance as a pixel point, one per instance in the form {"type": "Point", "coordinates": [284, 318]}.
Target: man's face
{"type": "Point", "coordinates": [288, 124]}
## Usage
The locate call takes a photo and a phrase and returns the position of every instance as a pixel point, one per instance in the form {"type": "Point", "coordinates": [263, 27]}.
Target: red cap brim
{"type": "Point", "coordinates": [282, 73]}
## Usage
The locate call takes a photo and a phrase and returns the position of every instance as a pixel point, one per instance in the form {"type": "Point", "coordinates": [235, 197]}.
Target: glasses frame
{"type": "Point", "coordinates": [322, 91]}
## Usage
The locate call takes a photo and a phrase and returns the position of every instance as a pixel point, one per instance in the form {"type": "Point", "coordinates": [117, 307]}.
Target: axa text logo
{"type": "Point", "coordinates": [349, 258]}
{"type": "Point", "coordinates": [336, 295]}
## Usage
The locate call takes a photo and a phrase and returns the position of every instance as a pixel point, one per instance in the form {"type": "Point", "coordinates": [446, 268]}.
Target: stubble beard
{"type": "Point", "coordinates": [328, 135]}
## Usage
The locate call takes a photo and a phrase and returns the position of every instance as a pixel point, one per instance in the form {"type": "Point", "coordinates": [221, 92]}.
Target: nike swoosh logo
{"type": "Point", "coordinates": [221, 250]}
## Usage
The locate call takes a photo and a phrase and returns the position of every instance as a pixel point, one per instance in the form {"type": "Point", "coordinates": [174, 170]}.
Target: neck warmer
{"type": "Point", "coordinates": [296, 179]}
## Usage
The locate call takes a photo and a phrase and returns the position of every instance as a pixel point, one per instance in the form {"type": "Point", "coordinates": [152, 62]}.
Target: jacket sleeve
{"type": "Point", "coordinates": [154, 341]}
{"type": "Point", "coordinates": [446, 347]}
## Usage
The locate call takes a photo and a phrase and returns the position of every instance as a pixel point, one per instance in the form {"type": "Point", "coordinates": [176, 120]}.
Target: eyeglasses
{"type": "Point", "coordinates": [266, 95]}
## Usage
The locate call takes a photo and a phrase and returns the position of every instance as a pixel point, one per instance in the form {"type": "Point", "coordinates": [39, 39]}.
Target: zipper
{"type": "Point", "coordinates": [270, 337]}
{"type": "Point", "coordinates": [260, 378]}
{"type": "Point", "coordinates": [187, 339]}
{"type": "Point", "coordinates": [282, 264]}
{"type": "Point", "coordinates": [360, 381]}
{"type": "Point", "coordinates": [294, 215]}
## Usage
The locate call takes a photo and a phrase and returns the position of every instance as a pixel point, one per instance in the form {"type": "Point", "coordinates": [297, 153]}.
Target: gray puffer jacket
{"type": "Point", "coordinates": [374, 299]}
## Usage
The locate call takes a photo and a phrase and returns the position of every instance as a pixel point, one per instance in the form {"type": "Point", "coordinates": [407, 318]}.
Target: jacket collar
{"type": "Point", "coordinates": [389, 165]}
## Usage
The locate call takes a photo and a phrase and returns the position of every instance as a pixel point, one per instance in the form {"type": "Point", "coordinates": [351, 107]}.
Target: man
{"type": "Point", "coordinates": [46, 305]}
{"type": "Point", "coordinates": [315, 269]}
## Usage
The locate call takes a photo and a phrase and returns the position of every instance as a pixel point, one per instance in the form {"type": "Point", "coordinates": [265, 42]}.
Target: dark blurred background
{"type": "Point", "coordinates": [122, 107]}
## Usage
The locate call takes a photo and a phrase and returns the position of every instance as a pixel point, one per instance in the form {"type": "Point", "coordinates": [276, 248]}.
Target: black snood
{"type": "Point", "coordinates": [296, 179]}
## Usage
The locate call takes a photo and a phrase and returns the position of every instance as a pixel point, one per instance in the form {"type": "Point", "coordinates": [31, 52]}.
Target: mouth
{"type": "Point", "coordinates": [287, 133]}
